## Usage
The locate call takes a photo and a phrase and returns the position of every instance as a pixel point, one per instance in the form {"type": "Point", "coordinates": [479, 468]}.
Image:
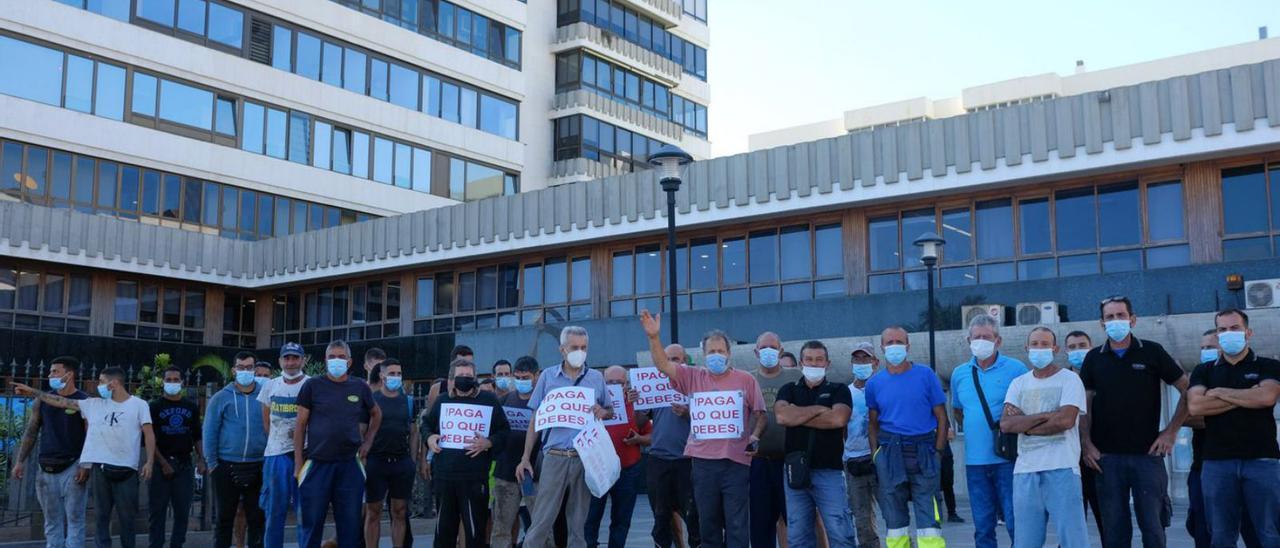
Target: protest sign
{"type": "Point", "coordinates": [460, 422]}
{"type": "Point", "coordinates": [568, 407]}
{"type": "Point", "coordinates": [617, 397]}
{"type": "Point", "coordinates": [518, 417]}
{"type": "Point", "coordinates": [716, 415]}
{"type": "Point", "coordinates": [600, 462]}
{"type": "Point", "coordinates": [654, 389]}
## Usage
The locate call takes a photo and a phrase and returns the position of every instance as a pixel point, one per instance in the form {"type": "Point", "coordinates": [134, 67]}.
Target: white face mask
{"type": "Point", "coordinates": [813, 374]}
{"type": "Point", "coordinates": [576, 358]}
{"type": "Point", "coordinates": [292, 376]}
{"type": "Point", "coordinates": [982, 349]}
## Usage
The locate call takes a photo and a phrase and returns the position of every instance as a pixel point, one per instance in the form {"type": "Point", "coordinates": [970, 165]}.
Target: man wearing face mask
{"type": "Point", "coordinates": [669, 484]}
{"type": "Point", "coordinates": [279, 399]}
{"type": "Point", "coordinates": [907, 427]}
{"type": "Point", "coordinates": [989, 477]}
{"type": "Point", "coordinates": [234, 440]}
{"type": "Point", "coordinates": [1078, 346]}
{"type": "Point", "coordinates": [60, 484]}
{"type": "Point", "coordinates": [118, 427]}
{"type": "Point", "coordinates": [721, 467]}
{"type": "Point", "coordinates": [508, 492]}
{"type": "Point", "coordinates": [1235, 394]}
{"type": "Point", "coordinates": [177, 429]}
{"type": "Point", "coordinates": [860, 472]}
{"type": "Point", "coordinates": [1120, 436]}
{"type": "Point", "coordinates": [627, 438]}
{"type": "Point", "coordinates": [503, 379]}
{"type": "Point", "coordinates": [331, 409]}
{"type": "Point", "coordinates": [390, 467]}
{"type": "Point", "coordinates": [561, 471]}
{"type": "Point", "coordinates": [768, 499]}
{"type": "Point", "coordinates": [1043, 407]}
{"type": "Point", "coordinates": [815, 413]}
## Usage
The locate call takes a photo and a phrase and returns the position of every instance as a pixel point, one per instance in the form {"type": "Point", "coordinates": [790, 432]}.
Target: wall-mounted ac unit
{"type": "Point", "coordinates": [1262, 293]}
{"type": "Point", "coordinates": [994, 310]}
{"type": "Point", "coordinates": [1037, 313]}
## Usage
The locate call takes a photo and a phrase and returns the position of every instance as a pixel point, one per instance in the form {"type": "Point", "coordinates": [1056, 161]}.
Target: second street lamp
{"type": "Point", "coordinates": [670, 162]}
{"type": "Point", "coordinates": [930, 244]}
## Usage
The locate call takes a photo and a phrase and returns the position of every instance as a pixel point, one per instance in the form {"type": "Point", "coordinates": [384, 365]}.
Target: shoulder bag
{"type": "Point", "coordinates": [1006, 445]}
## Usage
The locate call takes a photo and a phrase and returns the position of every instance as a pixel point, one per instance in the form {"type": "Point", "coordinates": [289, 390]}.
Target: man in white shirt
{"type": "Point", "coordinates": [1043, 407]}
{"type": "Point", "coordinates": [119, 424]}
{"type": "Point", "coordinates": [279, 399]}
{"type": "Point", "coordinates": [860, 472]}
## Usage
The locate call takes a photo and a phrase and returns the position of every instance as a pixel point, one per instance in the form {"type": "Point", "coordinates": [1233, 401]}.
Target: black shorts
{"type": "Point", "coordinates": [388, 478]}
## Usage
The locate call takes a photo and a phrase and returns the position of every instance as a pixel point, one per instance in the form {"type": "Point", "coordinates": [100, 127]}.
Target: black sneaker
{"type": "Point", "coordinates": [955, 518]}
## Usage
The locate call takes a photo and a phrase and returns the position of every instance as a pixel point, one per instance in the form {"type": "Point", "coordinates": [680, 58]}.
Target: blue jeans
{"type": "Point", "coordinates": [1054, 494]}
{"type": "Point", "coordinates": [279, 494]}
{"type": "Point", "coordinates": [339, 484]}
{"type": "Point", "coordinates": [63, 502]}
{"type": "Point", "coordinates": [768, 501]}
{"type": "Point", "coordinates": [1144, 478]}
{"type": "Point", "coordinates": [624, 494]}
{"type": "Point", "coordinates": [990, 487]}
{"type": "Point", "coordinates": [1249, 484]}
{"type": "Point", "coordinates": [1198, 523]}
{"type": "Point", "coordinates": [720, 489]}
{"type": "Point", "coordinates": [825, 493]}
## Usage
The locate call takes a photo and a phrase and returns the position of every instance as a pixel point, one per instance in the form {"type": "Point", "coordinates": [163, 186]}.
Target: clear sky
{"type": "Point", "coordinates": [779, 63]}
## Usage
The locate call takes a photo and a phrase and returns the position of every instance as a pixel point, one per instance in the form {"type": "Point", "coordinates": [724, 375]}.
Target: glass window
{"type": "Point", "coordinates": [421, 170]}
{"type": "Point", "coordinates": [734, 256]}
{"type": "Point", "coordinates": [80, 296]}
{"type": "Point", "coordinates": [106, 184]}
{"type": "Point", "coordinates": [424, 305]}
{"type": "Point", "coordinates": [404, 87]}
{"type": "Point", "coordinates": [191, 201]}
{"type": "Point", "coordinates": [796, 257]}
{"type": "Point", "coordinates": [320, 157]}
{"type": "Point", "coordinates": [581, 290]}
{"type": "Point", "coordinates": [331, 64]}
{"type": "Point", "coordinates": [483, 182]}
{"type": "Point", "coordinates": [341, 150]}
{"type": "Point", "coordinates": [1075, 218]}
{"type": "Point", "coordinates": [457, 179]}
{"type": "Point", "coordinates": [958, 232]}
{"type": "Point", "coordinates": [498, 116]}
{"type": "Point", "coordinates": [468, 108]}
{"type": "Point", "coordinates": [1165, 212]}
{"type": "Point", "coordinates": [511, 46]}
{"type": "Point", "coordinates": [1246, 248]}
{"type": "Point", "coordinates": [37, 174]}
{"type": "Point", "coordinates": [11, 167]}
{"type": "Point", "coordinates": [914, 224]}
{"type": "Point", "coordinates": [1119, 215]}
{"type": "Point", "coordinates": [266, 214]}
{"type": "Point", "coordinates": [403, 177]}
{"type": "Point", "coordinates": [248, 208]}
{"type": "Point", "coordinates": [128, 185]}
{"type": "Point", "coordinates": [648, 270]}
{"type": "Point", "coordinates": [308, 56]}
{"type": "Point", "coordinates": [253, 127]}
{"type": "Point", "coordinates": [225, 116]}
{"type": "Point", "coordinates": [382, 160]}
{"type": "Point", "coordinates": [191, 16]}
{"type": "Point", "coordinates": [353, 74]}
{"type": "Point", "coordinates": [1244, 200]}
{"type": "Point", "coordinates": [464, 26]}
{"type": "Point", "coordinates": [994, 229]}
{"type": "Point", "coordinates": [1078, 265]}
{"type": "Point", "coordinates": [556, 281]}
{"type": "Point", "coordinates": [764, 256]}
{"type": "Point", "coordinates": [212, 197]}
{"type": "Point", "coordinates": [1036, 270]}
{"type": "Point", "coordinates": [704, 265]}
{"type": "Point", "coordinates": [282, 217]}
{"type": "Point", "coordinates": [532, 288]}
{"type": "Point", "coordinates": [378, 79]}
{"type": "Point", "coordinates": [957, 276]}
{"type": "Point", "coordinates": [126, 303]}
{"type": "Point", "coordinates": [449, 102]}
{"type": "Point", "coordinates": [1168, 256]}
{"type": "Point", "coordinates": [277, 128]}
{"type": "Point", "coordinates": [360, 154]}
{"type": "Point", "coordinates": [299, 137]}
{"type": "Point", "coordinates": [151, 193]}
{"type": "Point", "coordinates": [226, 26]}
{"type": "Point", "coordinates": [30, 71]}
{"type": "Point", "coordinates": [1034, 221]}
{"type": "Point", "coordinates": [282, 48]}
{"type": "Point", "coordinates": [300, 217]}
{"type": "Point", "coordinates": [183, 104]}
{"type": "Point", "coordinates": [159, 11]}
{"type": "Point", "coordinates": [79, 94]}
{"type": "Point", "coordinates": [109, 94]}
{"type": "Point", "coordinates": [115, 9]}
{"type": "Point", "coordinates": [61, 181]}
{"type": "Point", "coordinates": [1121, 261]}
{"type": "Point", "coordinates": [230, 199]}
{"type": "Point", "coordinates": [623, 274]}
{"type": "Point", "coordinates": [171, 196]}
{"type": "Point", "coordinates": [1275, 197]}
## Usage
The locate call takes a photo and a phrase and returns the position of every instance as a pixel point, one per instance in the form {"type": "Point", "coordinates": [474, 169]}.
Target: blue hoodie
{"type": "Point", "coordinates": [233, 427]}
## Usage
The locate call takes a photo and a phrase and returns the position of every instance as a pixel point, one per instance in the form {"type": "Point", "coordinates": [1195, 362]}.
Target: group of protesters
{"type": "Point", "coordinates": [781, 452]}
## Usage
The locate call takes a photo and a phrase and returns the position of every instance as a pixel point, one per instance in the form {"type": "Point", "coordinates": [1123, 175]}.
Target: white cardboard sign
{"type": "Point", "coordinates": [654, 389]}
{"type": "Point", "coordinates": [568, 407]}
{"type": "Point", "coordinates": [716, 415]}
{"type": "Point", "coordinates": [460, 422]}
{"type": "Point", "coordinates": [600, 462]}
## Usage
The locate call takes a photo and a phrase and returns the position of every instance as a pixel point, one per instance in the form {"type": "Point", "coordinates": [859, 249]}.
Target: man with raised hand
{"type": "Point", "coordinates": [1043, 407]}
{"type": "Point", "coordinates": [721, 469]}
{"type": "Point", "coordinates": [328, 447]}
{"type": "Point", "coordinates": [1241, 474]}
{"type": "Point", "coordinates": [907, 426]}
{"type": "Point", "coordinates": [668, 478]}
{"type": "Point", "coordinates": [60, 484]}
{"type": "Point", "coordinates": [562, 479]}
{"type": "Point", "coordinates": [1120, 436]}
{"type": "Point", "coordinates": [119, 424]}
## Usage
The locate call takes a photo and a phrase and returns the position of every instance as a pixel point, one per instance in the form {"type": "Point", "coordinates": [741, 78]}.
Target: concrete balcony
{"type": "Point", "coordinates": [613, 111]}
{"type": "Point", "coordinates": [666, 11]}
{"type": "Point", "coordinates": [580, 169]}
{"type": "Point", "coordinates": [617, 48]}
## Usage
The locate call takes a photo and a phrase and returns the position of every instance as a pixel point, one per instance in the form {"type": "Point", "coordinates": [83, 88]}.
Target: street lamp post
{"type": "Point", "coordinates": [670, 161]}
{"type": "Point", "coordinates": [930, 244]}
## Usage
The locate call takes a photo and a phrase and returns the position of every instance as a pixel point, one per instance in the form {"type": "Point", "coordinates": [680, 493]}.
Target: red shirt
{"type": "Point", "coordinates": [628, 454]}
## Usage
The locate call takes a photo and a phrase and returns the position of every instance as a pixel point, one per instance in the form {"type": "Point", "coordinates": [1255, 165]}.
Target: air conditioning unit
{"type": "Point", "coordinates": [1037, 313]}
{"type": "Point", "coordinates": [994, 310]}
{"type": "Point", "coordinates": [1262, 293]}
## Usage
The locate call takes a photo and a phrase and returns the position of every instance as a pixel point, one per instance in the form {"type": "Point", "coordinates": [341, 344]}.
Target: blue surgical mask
{"type": "Point", "coordinates": [1231, 342]}
{"type": "Point", "coordinates": [524, 386]}
{"type": "Point", "coordinates": [862, 371]}
{"type": "Point", "coordinates": [1117, 330]}
{"type": "Point", "coordinates": [717, 364]}
{"type": "Point", "coordinates": [895, 353]}
{"type": "Point", "coordinates": [1208, 355]}
{"type": "Point", "coordinates": [261, 380]}
{"type": "Point", "coordinates": [104, 392]}
{"type": "Point", "coordinates": [244, 378]}
{"type": "Point", "coordinates": [394, 383]}
{"type": "Point", "coordinates": [1040, 358]}
{"type": "Point", "coordinates": [768, 358]}
{"type": "Point", "coordinates": [57, 383]}
{"type": "Point", "coordinates": [172, 388]}
{"type": "Point", "coordinates": [1076, 357]}
{"type": "Point", "coordinates": [504, 383]}
{"type": "Point", "coordinates": [337, 367]}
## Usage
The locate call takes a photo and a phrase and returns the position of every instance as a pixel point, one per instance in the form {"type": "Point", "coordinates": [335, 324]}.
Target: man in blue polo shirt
{"type": "Point", "coordinates": [990, 478]}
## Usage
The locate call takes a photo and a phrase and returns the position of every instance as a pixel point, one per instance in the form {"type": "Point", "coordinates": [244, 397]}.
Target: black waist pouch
{"type": "Point", "coordinates": [55, 465]}
{"type": "Point", "coordinates": [116, 474]}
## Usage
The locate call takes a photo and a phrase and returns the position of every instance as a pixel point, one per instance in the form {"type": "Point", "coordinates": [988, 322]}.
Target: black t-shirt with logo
{"type": "Point", "coordinates": [337, 409]}
{"type": "Point", "coordinates": [828, 444]}
{"type": "Point", "coordinates": [1240, 433]}
{"type": "Point", "coordinates": [1126, 400]}
{"type": "Point", "coordinates": [177, 427]}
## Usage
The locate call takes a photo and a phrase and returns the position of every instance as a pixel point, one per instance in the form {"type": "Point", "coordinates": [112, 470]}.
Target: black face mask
{"type": "Point", "coordinates": [464, 384]}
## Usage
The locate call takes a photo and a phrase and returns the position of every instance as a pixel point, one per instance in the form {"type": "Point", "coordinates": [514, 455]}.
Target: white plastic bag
{"type": "Point", "coordinates": [599, 460]}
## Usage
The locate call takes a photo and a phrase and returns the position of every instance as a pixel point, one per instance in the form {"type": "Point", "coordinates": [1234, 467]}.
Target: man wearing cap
{"type": "Point", "coordinates": [860, 472]}
{"type": "Point", "coordinates": [279, 399]}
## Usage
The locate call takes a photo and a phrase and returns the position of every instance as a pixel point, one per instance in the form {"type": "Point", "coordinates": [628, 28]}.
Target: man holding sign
{"type": "Point", "coordinates": [565, 399]}
{"type": "Point", "coordinates": [670, 489]}
{"type": "Point", "coordinates": [465, 429]}
{"type": "Point", "coordinates": [627, 432]}
{"type": "Point", "coordinates": [727, 418]}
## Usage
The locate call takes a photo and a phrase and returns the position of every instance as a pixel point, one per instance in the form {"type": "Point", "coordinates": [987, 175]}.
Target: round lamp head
{"type": "Point", "coordinates": [930, 244]}
{"type": "Point", "coordinates": [670, 161]}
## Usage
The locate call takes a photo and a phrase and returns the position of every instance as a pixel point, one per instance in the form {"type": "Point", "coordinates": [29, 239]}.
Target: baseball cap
{"type": "Point", "coordinates": [291, 349]}
{"type": "Point", "coordinates": [866, 347]}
